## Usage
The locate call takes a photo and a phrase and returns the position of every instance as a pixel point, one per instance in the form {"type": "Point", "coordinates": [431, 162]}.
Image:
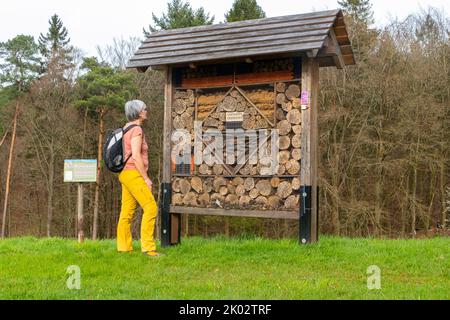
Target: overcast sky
{"type": "Point", "coordinates": [97, 22]}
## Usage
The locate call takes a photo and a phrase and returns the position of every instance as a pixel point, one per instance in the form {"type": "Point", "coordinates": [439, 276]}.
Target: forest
{"type": "Point", "coordinates": [384, 127]}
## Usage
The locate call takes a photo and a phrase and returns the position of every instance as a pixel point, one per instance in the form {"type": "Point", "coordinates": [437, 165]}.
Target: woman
{"type": "Point", "coordinates": [136, 184]}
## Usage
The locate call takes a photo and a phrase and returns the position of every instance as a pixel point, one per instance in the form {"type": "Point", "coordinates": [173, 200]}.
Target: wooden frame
{"type": "Point", "coordinates": [272, 214]}
{"type": "Point", "coordinates": [319, 38]}
{"type": "Point", "coordinates": [308, 214]}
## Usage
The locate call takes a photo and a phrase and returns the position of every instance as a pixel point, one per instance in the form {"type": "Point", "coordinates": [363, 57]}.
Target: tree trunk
{"type": "Point", "coordinates": [9, 172]}
{"type": "Point", "coordinates": [97, 186]}
{"type": "Point", "coordinates": [84, 132]}
{"type": "Point", "coordinates": [432, 193]}
{"type": "Point", "coordinates": [442, 191]}
{"type": "Point", "coordinates": [4, 138]}
{"type": "Point", "coordinates": [51, 174]}
{"type": "Point", "coordinates": [413, 209]}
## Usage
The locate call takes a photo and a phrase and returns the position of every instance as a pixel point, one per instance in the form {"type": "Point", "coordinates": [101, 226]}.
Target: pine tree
{"type": "Point", "coordinates": [359, 18]}
{"type": "Point", "coordinates": [20, 66]}
{"type": "Point", "coordinates": [360, 10]}
{"type": "Point", "coordinates": [179, 15]}
{"type": "Point", "coordinates": [20, 62]}
{"type": "Point", "coordinates": [56, 37]}
{"type": "Point", "coordinates": [244, 10]}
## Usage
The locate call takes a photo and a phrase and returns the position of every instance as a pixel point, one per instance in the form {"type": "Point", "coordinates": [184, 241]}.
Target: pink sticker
{"type": "Point", "coordinates": [305, 98]}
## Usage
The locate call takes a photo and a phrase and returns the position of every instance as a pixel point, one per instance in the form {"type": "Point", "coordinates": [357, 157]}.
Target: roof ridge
{"type": "Point", "coordinates": [244, 23]}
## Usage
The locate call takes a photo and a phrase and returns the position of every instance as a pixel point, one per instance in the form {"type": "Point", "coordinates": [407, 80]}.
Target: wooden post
{"type": "Point", "coordinates": [80, 214]}
{"type": "Point", "coordinates": [170, 224]}
{"type": "Point", "coordinates": [308, 232]}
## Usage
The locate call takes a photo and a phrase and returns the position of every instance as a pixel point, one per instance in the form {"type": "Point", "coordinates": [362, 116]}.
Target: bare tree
{"type": "Point", "coordinates": [119, 52]}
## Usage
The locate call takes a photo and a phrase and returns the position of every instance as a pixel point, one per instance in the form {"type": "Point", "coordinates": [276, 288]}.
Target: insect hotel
{"type": "Point", "coordinates": [240, 120]}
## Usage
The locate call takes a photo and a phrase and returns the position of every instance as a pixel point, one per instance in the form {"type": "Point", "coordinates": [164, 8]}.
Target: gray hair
{"type": "Point", "coordinates": [133, 108]}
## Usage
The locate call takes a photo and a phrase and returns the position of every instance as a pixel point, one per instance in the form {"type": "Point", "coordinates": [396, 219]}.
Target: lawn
{"type": "Point", "coordinates": [222, 268]}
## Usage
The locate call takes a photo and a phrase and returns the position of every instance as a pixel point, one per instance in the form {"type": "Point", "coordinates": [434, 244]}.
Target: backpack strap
{"type": "Point", "coordinates": [131, 126]}
{"type": "Point", "coordinates": [125, 131]}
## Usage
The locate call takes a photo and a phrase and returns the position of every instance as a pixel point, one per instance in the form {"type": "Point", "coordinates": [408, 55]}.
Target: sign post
{"type": "Point", "coordinates": [80, 170]}
{"type": "Point", "coordinates": [80, 214]}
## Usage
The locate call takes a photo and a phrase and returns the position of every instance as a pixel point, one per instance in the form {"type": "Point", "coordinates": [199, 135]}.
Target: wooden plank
{"type": "Point", "coordinates": [343, 40]}
{"type": "Point", "coordinates": [271, 214]}
{"type": "Point", "coordinates": [262, 56]}
{"type": "Point", "coordinates": [207, 82]}
{"type": "Point", "coordinates": [298, 37]}
{"type": "Point", "coordinates": [340, 19]}
{"type": "Point", "coordinates": [349, 59]}
{"type": "Point", "coordinates": [328, 49]}
{"type": "Point", "coordinates": [242, 24]}
{"type": "Point", "coordinates": [192, 50]}
{"type": "Point", "coordinates": [167, 126]}
{"type": "Point", "coordinates": [241, 85]}
{"type": "Point", "coordinates": [346, 49]}
{"type": "Point", "coordinates": [290, 48]}
{"type": "Point", "coordinates": [260, 77]}
{"type": "Point", "coordinates": [340, 31]}
{"type": "Point", "coordinates": [283, 30]}
{"type": "Point", "coordinates": [243, 79]}
{"type": "Point", "coordinates": [337, 57]}
{"type": "Point", "coordinates": [326, 62]}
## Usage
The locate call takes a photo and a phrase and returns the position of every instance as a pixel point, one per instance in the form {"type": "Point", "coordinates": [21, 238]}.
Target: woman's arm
{"type": "Point", "coordinates": [136, 143]}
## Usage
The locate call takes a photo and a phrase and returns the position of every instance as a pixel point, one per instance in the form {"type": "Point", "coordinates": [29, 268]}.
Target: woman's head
{"type": "Point", "coordinates": [135, 109]}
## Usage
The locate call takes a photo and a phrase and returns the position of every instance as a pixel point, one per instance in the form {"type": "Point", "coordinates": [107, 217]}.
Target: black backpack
{"type": "Point", "coordinates": [113, 149]}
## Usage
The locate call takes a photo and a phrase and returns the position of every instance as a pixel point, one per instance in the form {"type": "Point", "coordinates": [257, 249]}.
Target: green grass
{"type": "Point", "coordinates": [221, 268]}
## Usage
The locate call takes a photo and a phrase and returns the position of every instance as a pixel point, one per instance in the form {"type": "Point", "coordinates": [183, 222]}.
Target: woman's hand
{"type": "Point", "coordinates": [149, 183]}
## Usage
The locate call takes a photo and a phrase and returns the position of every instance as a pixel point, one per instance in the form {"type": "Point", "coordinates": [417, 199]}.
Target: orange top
{"type": "Point", "coordinates": [134, 132]}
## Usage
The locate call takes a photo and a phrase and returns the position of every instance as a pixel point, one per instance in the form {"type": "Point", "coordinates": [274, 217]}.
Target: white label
{"type": "Point", "coordinates": [234, 116]}
{"type": "Point", "coordinates": [68, 176]}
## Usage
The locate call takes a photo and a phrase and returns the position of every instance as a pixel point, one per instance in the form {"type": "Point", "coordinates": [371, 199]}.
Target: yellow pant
{"type": "Point", "coordinates": [135, 190]}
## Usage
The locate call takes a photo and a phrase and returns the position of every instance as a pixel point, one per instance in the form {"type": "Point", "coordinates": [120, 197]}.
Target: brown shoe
{"type": "Point", "coordinates": [153, 253]}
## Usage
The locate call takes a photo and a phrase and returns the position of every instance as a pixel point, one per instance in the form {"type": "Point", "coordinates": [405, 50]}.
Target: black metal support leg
{"type": "Point", "coordinates": [305, 214]}
{"type": "Point", "coordinates": [164, 213]}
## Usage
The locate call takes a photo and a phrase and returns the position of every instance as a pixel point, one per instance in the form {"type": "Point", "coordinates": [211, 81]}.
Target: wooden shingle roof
{"type": "Point", "coordinates": [320, 34]}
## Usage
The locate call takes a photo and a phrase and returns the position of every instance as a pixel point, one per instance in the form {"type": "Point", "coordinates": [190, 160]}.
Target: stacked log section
{"type": "Point", "coordinates": [236, 193]}
{"type": "Point", "coordinates": [288, 118]}
{"type": "Point", "coordinates": [256, 186]}
{"type": "Point", "coordinates": [183, 109]}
